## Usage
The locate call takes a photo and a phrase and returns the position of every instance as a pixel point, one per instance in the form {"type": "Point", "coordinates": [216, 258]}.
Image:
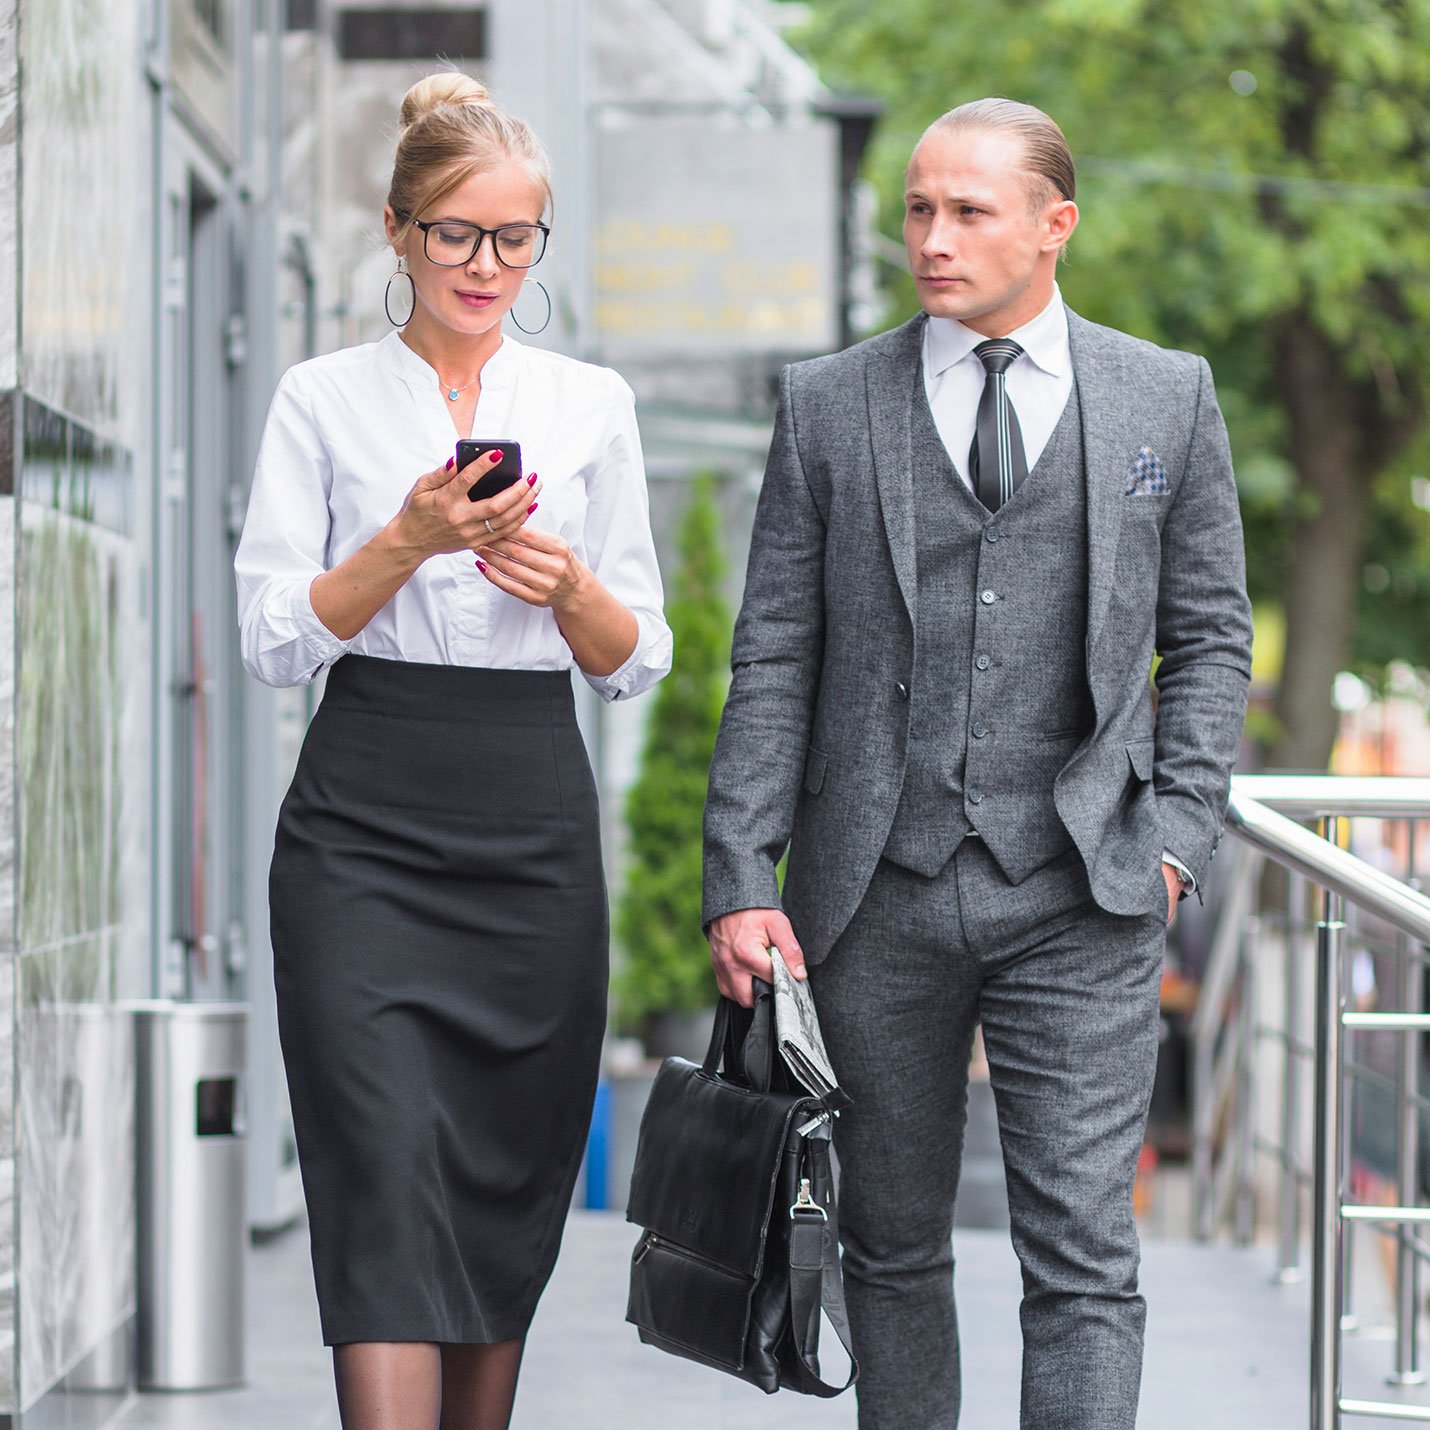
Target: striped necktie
{"type": "Point", "coordinates": [997, 432]}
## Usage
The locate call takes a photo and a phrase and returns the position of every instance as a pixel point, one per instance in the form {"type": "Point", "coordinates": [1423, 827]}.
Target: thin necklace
{"type": "Point", "coordinates": [454, 392]}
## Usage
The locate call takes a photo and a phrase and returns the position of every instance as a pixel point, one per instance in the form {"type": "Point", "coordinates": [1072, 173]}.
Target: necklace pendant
{"type": "Point", "coordinates": [452, 395]}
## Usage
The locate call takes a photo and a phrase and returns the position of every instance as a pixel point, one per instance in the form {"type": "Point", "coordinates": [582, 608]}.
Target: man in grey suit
{"type": "Point", "coordinates": [975, 533]}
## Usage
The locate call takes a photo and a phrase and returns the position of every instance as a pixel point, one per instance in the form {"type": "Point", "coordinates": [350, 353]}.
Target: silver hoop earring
{"type": "Point", "coordinates": [547, 323]}
{"type": "Point", "coordinates": [411, 296]}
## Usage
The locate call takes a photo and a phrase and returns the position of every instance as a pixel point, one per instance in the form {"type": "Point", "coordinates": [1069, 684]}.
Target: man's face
{"type": "Point", "coordinates": [977, 249]}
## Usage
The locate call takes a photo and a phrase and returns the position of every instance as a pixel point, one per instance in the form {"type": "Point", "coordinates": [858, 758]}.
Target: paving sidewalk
{"type": "Point", "coordinates": [1226, 1348]}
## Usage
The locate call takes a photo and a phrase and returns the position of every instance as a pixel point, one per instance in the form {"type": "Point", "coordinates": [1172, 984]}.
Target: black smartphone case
{"type": "Point", "coordinates": [506, 473]}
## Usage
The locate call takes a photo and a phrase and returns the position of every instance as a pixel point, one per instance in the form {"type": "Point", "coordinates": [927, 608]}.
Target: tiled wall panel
{"type": "Point", "coordinates": [9, 376]}
{"type": "Point", "coordinates": [76, 1199]}
{"type": "Point", "coordinates": [74, 1109]}
{"type": "Point", "coordinates": [83, 290]}
{"type": "Point", "coordinates": [71, 692]}
{"type": "Point", "coordinates": [8, 875]}
{"type": "Point", "coordinates": [9, 216]}
{"type": "Point", "coordinates": [72, 609]}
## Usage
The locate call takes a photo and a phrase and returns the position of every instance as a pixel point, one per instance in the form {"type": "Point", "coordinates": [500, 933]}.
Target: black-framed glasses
{"type": "Point", "coordinates": [450, 243]}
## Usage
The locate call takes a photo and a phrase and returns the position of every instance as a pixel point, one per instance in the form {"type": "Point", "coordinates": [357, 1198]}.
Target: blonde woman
{"type": "Point", "coordinates": [438, 904]}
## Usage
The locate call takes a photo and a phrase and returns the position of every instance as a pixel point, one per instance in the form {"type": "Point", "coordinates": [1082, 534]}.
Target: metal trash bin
{"type": "Point", "coordinates": [192, 1205]}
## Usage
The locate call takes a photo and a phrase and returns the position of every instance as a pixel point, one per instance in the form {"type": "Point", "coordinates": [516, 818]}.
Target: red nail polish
{"type": "Point", "coordinates": [451, 462]}
{"type": "Point", "coordinates": [532, 507]}
{"type": "Point", "coordinates": [482, 567]}
{"type": "Point", "coordinates": [496, 455]}
{"type": "Point", "coordinates": [531, 480]}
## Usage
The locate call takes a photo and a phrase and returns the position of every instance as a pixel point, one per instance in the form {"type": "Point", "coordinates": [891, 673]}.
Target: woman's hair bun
{"type": "Point", "coordinates": [446, 87]}
{"type": "Point", "coordinates": [451, 129]}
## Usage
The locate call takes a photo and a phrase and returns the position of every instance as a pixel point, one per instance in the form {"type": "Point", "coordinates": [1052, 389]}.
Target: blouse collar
{"type": "Point", "coordinates": [398, 358]}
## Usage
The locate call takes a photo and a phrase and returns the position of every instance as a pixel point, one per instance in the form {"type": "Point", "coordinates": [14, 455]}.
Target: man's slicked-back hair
{"type": "Point", "coordinates": [1045, 149]}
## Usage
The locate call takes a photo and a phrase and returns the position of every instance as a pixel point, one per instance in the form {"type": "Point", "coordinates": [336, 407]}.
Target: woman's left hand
{"type": "Point", "coordinates": [534, 566]}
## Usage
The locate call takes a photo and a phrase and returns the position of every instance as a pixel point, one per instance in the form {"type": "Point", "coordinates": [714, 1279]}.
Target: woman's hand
{"type": "Point", "coordinates": [534, 566]}
{"type": "Point", "coordinates": [542, 570]}
{"type": "Point", "coordinates": [437, 515]}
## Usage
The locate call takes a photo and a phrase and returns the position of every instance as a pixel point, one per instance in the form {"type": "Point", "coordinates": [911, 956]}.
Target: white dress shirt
{"type": "Point", "coordinates": [1039, 382]}
{"type": "Point", "coordinates": [347, 435]}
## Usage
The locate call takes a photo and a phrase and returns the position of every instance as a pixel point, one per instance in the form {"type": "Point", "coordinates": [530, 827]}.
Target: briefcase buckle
{"type": "Point", "coordinates": [806, 1203]}
{"type": "Point", "coordinates": [808, 1129]}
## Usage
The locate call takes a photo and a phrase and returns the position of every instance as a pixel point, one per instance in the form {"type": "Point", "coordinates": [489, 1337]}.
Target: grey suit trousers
{"type": "Point", "coordinates": [1067, 995]}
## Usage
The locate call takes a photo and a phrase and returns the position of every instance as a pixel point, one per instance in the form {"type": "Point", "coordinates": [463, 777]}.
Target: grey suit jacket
{"type": "Point", "coordinates": [811, 750]}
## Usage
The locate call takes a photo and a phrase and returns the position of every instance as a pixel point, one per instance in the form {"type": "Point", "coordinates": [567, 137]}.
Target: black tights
{"type": "Point", "coordinates": [416, 1385]}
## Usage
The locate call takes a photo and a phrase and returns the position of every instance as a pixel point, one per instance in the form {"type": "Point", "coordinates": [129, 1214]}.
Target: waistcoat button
{"type": "Point", "coordinates": [993, 533]}
{"type": "Point", "coordinates": [979, 731]}
{"type": "Point", "coordinates": [983, 662]}
{"type": "Point", "coordinates": [975, 796]}
{"type": "Point", "coordinates": [988, 598]}
{"type": "Point", "coordinates": [901, 690]}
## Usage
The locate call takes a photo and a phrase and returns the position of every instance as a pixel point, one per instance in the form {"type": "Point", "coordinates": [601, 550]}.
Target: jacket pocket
{"type": "Point", "coordinates": [1141, 754]}
{"type": "Point", "coordinates": [814, 767]}
{"type": "Point", "coordinates": [1053, 737]}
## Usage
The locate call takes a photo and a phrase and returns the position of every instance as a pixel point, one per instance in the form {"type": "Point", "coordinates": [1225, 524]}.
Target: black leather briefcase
{"type": "Point", "coordinates": [732, 1185]}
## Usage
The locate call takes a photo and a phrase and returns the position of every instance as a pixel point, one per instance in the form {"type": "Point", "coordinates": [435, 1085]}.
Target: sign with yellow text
{"type": "Point", "coordinates": [715, 237]}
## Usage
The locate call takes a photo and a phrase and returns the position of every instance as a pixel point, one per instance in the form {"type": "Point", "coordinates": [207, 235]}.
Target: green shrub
{"type": "Point", "coordinates": [667, 961]}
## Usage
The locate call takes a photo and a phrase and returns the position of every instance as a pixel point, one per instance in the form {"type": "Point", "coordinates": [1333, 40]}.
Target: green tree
{"type": "Point", "coordinates": [1253, 181]}
{"type": "Point", "coordinates": [667, 963]}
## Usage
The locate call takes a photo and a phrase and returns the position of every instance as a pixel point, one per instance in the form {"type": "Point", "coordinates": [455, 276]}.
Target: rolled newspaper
{"type": "Point", "coordinates": [801, 1044]}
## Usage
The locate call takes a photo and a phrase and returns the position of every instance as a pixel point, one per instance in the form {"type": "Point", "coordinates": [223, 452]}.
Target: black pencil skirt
{"type": "Point", "coordinates": [440, 953]}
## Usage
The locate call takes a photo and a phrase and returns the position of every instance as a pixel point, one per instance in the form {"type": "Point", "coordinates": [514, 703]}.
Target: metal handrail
{"type": "Point", "coordinates": [1345, 796]}
{"type": "Point", "coordinates": [1237, 898]}
{"type": "Point", "coordinates": [1306, 853]}
{"type": "Point", "coordinates": [1213, 1069]}
{"type": "Point", "coordinates": [1258, 815]}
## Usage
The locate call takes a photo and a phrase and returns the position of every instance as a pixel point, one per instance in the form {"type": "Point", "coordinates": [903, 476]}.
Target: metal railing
{"type": "Point", "coordinates": [1334, 898]}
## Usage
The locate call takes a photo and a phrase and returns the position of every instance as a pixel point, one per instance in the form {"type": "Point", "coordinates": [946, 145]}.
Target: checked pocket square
{"type": "Point", "coordinates": [1146, 477]}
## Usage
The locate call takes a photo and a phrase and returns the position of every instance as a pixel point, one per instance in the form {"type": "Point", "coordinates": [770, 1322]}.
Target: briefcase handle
{"type": "Point", "coordinates": [743, 1039]}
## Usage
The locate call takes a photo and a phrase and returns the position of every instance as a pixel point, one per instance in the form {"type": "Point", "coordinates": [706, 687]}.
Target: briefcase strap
{"type": "Point", "coordinates": [814, 1279]}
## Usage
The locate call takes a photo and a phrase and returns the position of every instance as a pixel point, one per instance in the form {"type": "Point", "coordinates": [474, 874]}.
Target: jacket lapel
{"type": "Point", "coordinates": [890, 372]}
{"type": "Point", "coordinates": [1109, 437]}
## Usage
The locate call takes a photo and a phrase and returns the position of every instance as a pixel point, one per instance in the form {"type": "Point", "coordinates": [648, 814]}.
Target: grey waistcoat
{"type": "Point", "coordinates": [999, 699]}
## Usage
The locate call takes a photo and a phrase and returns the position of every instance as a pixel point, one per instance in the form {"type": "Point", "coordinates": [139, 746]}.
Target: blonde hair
{"type": "Point", "coordinates": [1045, 148]}
{"type": "Point", "coordinates": [451, 128]}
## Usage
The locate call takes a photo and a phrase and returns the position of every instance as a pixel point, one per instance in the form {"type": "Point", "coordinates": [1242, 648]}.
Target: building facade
{"type": "Point", "coordinates": [133, 200]}
{"type": "Point", "coordinates": [190, 200]}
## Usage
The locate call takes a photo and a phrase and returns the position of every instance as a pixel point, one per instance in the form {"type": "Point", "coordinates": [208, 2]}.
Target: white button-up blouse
{"type": "Point", "coordinates": [347, 435]}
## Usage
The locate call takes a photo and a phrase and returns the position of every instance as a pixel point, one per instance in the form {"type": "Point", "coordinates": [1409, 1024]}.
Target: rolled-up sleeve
{"type": "Point", "coordinates": [284, 546]}
{"type": "Point", "coordinates": [621, 551]}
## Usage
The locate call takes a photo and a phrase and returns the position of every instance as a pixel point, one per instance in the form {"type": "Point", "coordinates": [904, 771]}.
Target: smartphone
{"type": "Point", "coordinates": [506, 473]}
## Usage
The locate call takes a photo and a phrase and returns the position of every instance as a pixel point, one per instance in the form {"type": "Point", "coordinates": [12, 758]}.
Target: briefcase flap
{"type": "Point", "coordinates": [707, 1162]}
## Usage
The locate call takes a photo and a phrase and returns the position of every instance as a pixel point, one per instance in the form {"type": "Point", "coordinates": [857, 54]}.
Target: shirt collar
{"type": "Point", "coordinates": [1044, 340]}
{"type": "Point", "coordinates": [397, 357]}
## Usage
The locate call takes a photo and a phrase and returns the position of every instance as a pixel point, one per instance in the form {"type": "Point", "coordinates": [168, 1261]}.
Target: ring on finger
{"type": "Point", "coordinates": [488, 522]}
